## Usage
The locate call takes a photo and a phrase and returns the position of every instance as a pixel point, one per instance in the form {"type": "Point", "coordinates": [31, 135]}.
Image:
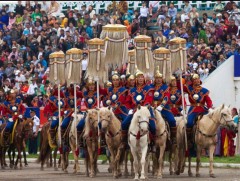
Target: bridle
{"type": "Point", "coordinates": [109, 133]}
{"type": "Point", "coordinates": [220, 122]}
{"type": "Point", "coordinates": [139, 135]}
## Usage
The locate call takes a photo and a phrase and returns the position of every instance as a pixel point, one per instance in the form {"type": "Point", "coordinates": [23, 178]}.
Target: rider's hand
{"type": "Point", "coordinates": [210, 110]}
{"type": "Point", "coordinates": [130, 112]}
{"type": "Point", "coordinates": [160, 108]}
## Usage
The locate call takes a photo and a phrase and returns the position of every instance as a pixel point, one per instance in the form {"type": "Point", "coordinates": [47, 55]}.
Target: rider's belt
{"type": "Point", "coordinates": [198, 104]}
{"type": "Point", "coordinates": [173, 105]}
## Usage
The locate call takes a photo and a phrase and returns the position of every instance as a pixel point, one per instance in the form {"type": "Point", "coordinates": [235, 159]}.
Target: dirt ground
{"type": "Point", "coordinates": [33, 172]}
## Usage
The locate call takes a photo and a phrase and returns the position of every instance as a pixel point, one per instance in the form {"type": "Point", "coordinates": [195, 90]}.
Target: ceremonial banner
{"type": "Point", "coordinates": [143, 54]}
{"type": "Point", "coordinates": [73, 73]}
{"type": "Point", "coordinates": [178, 57]}
{"type": "Point", "coordinates": [96, 60]}
{"type": "Point", "coordinates": [161, 57]}
{"type": "Point", "coordinates": [57, 67]}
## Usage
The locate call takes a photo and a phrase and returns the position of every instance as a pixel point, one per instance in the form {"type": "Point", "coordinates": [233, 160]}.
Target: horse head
{"type": "Point", "coordinates": [91, 121]}
{"type": "Point", "coordinates": [223, 116]}
{"type": "Point", "coordinates": [142, 116]}
{"type": "Point", "coordinates": [27, 128]}
{"type": "Point", "coordinates": [105, 115]}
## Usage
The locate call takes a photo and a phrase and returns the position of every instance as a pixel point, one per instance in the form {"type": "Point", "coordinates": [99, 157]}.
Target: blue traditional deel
{"type": "Point", "coordinates": [197, 96]}
{"type": "Point", "coordinates": [139, 95]}
{"type": "Point", "coordinates": [90, 100]}
{"type": "Point", "coordinates": [62, 103]}
{"type": "Point", "coordinates": [70, 102]}
{"type": "Point", "coordinates": [117, 98]}
{"type": "Point", "coordinates": [159, 95]}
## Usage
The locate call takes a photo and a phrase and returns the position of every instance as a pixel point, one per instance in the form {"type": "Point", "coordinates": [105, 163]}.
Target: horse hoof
{"type": "Point", "coordinates": [3, 167]}
{"type": "Point", "coordinates": [212, 175]}
{"type": "Point", "coordinates": [190, 174]}
{"type": "Point", "coordinates": [172, 173]}
{"type": "Point", "coordinates": [65, 171]}
{"type": "Point", "coordinates": [159, 177]}
{"type": "Point", "coordinates": [42, 169]}
{"type": "Point", "coordinates": [11, 165]}
{"type": "Point", "coordinates": [15, 167]}
{"type": "Point", "coordinates": [26, 165]}
{"type": "Point", "coordinates": [56, 168]}
{"type": "Point", "coordinates": [197, 174]}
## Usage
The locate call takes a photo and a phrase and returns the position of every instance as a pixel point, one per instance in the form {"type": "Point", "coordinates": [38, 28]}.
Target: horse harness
{"type": "Point", "coordinates": [109, 133]}
{"type": "Point", "coordinates": [213, 135]}
{"type": "Point", "coordinates": [139, 135]}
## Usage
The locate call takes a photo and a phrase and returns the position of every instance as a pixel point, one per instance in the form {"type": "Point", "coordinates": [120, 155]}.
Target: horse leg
{"type": "Point", "coordinates": [4, 157]}
{"type": "Point", "coordinates": [125, 163]}
{"type": "Point", "coordinates": [135, 162]}
{"type": "Point", "coordinates": [55, 160]}
{"type": "Point", "coordinates": [189, 166]}
{"type": "Point", "coordinates": [91, 160]}
{"type": "Point", "coordinates": [170, 161]}
{"type": "Point", "coordinates": [198, 161]}
{"type": "Point", "coordinates": [18, 157]}
{"type": "Point", "coordinates": [113, 163]}
{"type": "Point", "coordinates": [131, 160]}
{"type": "Point", "coordinates": [143, 162]}
{"type": "Point", "coordinates": [10, 157]}
{"type": "Point", "coordinates": [211, 151]}
{"type": "Point", "coordinates": [87, 164]}
{"type": "Point", "coordinates": [25, 157]}
{"type": "Point", "coordinates": [160, 161]}
{"type": "Point", "coordinates": [21, 157]}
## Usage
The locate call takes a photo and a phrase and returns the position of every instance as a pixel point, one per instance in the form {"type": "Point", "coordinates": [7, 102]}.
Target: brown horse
{"type": "Point", "coordinates": [46, 149]}
{"type": "Point", "coordinates": [65, 144]}
{"type": "Point", "coordinates": [24, 130]}
{"type": "Point", "coordinates": [91, 137]}
{"type": "Point", "coordinates": [21, 133]}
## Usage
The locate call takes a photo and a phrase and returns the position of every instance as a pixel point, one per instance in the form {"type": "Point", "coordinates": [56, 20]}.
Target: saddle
{"type": "Point", "coordinates": [7, 138]}
{"type": "Point", "coordinates": [52, 138]}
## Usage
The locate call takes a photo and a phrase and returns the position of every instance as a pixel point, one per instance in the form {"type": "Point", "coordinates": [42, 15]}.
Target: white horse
{"type": "Point", "coordinates": [138, 140]}
{"type": "Point", "coordinates": [206, 133]}
{"type": "Point", "coordinates": [72, 141]}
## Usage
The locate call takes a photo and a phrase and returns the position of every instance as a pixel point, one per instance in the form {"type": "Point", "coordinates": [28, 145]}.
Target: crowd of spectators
{"type": "Point", "coordinates": [30, 33]}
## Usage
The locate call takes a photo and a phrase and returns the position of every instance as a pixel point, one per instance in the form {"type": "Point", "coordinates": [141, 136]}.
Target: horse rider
{"type": "Point", "coordinates": [141, 94]}
{"type": "Point", "coordinates": [116, 97]}
{"type": "Point", "coordinates": [162, 99]}
{"type": "Point", "coordinates": [13, 109]}
{"type": "Point", "coordinates": [130, 81]}
{"type": "Point", "coordinates": [175, 97]}
{"type": "Point", "coordinates": [91, 102]}
{"type": "Point", "coordinates": [69, 108]}
{"type": "Point", "coordinates": [198, 98]}
{"type": "Point", "coordinates": [51, 109]}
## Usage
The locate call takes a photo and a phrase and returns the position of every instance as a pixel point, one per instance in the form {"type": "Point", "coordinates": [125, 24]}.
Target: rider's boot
{"type": "Point", "coordinates": [124, 139]}
{"type": "Point", "coordinates": [103, 140]}
{"type": "Point", "coordinates": [80, 139]}
{"type": "Point", "coordinates": [173, 134]}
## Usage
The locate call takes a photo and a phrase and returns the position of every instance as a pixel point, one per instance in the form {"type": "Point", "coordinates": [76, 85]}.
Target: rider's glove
{"type": "Point", "coordinates": [130, 112]}
{"type": "Point", "coordinates": [160, 108]}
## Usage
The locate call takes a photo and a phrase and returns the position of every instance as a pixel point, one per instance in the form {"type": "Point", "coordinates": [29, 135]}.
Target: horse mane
{"type": "Point", "coordinates": [87, 125]}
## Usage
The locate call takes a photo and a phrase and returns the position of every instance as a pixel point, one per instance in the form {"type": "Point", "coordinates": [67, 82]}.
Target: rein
{"type": "Point", "coordinates": [212, 135]}
{"type": "Point", "coordinates": [109, 133]}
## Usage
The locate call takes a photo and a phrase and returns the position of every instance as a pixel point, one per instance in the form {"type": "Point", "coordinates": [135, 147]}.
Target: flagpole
{"type": "Point", "coordinates": [98, 106]}
{"type": "Point", "coordinates": [59, 114]}
{"type": "Point", "coordinates": [75, 111]}
{"type": "Point", "coordinates": [183, 106]}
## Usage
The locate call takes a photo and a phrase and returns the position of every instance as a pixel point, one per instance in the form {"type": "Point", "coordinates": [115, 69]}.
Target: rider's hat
{"type": "Point", "coordinates": [158, 74]}
{"type": "Point", "coordinates": [138, 72]}
{"type": "Point", "coordinates": [115, 76]}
